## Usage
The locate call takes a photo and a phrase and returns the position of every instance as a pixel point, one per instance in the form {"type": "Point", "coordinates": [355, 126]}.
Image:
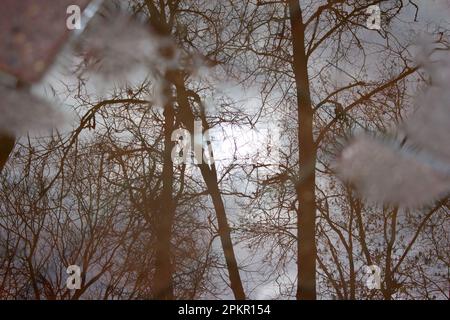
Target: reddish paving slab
{"type": "Point", "coordinates": [32, 33]}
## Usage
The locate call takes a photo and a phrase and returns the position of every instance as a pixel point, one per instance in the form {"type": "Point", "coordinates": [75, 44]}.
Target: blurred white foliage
{"type": "Point", "coordinates": [22, 112]}
{"type": "Point", "coordinates": [114, 49]}
{"type": "Point", "coordinates": [117, 46]}
{"type": "Point", "coordinates": [415, 171]}
{"type": "Point", "coordinates": [384, 173]}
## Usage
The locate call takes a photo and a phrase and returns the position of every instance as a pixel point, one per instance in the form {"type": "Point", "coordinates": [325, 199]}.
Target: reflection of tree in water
{"type": "Point", "coordinates": [105, 195]}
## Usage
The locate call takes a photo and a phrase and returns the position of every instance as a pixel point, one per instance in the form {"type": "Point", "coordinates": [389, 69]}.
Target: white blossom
{"type": "Point", "coordinates": [415, 171]}
{"type": "Point", "coordinates": [21, 112]}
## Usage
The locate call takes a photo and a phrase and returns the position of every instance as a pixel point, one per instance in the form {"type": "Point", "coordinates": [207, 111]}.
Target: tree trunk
{"type": "Point", "coordinates": [305, 188]}
{"type": "Point", "coordinates": [6, 147]}
{"type": "Point", "coordinates": [186, 117]}
{"type": "Point", "coordinates": [209, 175]}
{"type": "Point", "coordinates": [163, 276]}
